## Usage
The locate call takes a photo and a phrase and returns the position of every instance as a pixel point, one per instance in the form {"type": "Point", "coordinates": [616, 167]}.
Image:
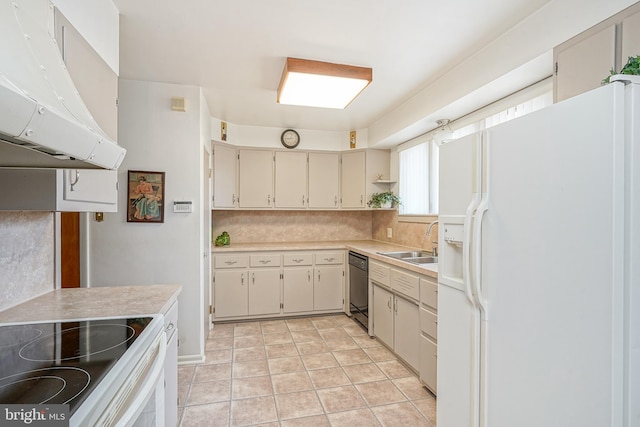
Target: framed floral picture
{"type": "Point", "coordinates": [145, 196]}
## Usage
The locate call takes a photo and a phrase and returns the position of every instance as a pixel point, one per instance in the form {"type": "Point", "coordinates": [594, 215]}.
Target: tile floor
{"type": "Point", "coordinates": [312, 371]}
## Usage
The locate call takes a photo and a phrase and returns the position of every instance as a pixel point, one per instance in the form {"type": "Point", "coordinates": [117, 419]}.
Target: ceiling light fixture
{"type": "Point", "coordinates": [321, 84]}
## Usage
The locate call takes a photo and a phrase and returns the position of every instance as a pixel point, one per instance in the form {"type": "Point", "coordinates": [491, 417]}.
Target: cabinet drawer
{"type": "Point", "coordinates": [297, 259]}
{"type": "Point", "coordinates": [379, 273]}
{"type": "Point", "coordinates": [404, 283]}
{"type": "Point", "coordinates": [270, 260]}
{"type": "Point", "coordinates": [327, 258]}
{"type": "Point", "coordinates": [429, 363]}
{"type": "Point", "coordinates": [429, 293]}
{"type": "Point", "coordinates": [231, 261]}
{"type": "Point", "coordinates": [429, 323]}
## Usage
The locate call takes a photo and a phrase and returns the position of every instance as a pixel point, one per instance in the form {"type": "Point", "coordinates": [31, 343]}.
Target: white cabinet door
{"type": "Point", "coordinates": [383, 315]}
{"type": "Point", "coordinates": [225, 176]}
{"type": "Point", "coordinates": [328, 288]}
{"type": "Point", "coordinates": [429, 363]}
{"type": "Point", "coordinates": [230, 293]}
{"type": "Point", "coordinates": [264, 291]}
{"type": "Point", "coordinates": [291, 179]}
{"type": "Point", "coordinates": [324, 180]}
{"type": "Point", "coordinates": [353, 180]}
{"type": "Point", "coordinates": [256, 179]}
{"type": "Point", "coordinates": [581, 66]}
{"type": "Point", "coordinates": [407, 331]}
{"type": "Point", "coordinates": [297, 290]}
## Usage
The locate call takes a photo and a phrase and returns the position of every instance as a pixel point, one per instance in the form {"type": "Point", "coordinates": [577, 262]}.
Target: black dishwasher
{"type": "Point", "coordinates": [359, 288]}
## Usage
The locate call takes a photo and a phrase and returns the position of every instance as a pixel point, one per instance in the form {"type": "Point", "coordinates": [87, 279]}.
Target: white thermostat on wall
{"type": "Point", "coordinates": [182, 207]}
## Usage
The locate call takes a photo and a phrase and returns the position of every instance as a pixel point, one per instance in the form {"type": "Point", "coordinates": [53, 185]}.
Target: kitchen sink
{"type": "Point", "coordinates": [414, 257]}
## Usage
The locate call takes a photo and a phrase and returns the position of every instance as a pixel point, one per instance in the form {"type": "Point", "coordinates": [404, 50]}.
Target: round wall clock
{"type": "Point", "coordinates": [290, 138]}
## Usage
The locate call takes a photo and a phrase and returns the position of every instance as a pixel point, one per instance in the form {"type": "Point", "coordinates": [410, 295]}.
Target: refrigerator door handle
{"type": "Point", "coordinates": [476, 260]}
{"type": "Point", "coordinates": [466, 248]}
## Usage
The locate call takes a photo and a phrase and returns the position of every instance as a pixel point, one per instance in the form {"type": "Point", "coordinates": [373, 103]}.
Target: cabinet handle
{"type": "Point", "coordinates": [233, 199]}
{"type": "Point", "coordinates": [230, 262]}
{"type": "Point", "coordinates": [265, 261]}
{"type": "Point", "coordinates": [242, 279]}
{"type": "Point", "coordinates": [269, 200]}
{"type": "Point", "coordinates": [75, 181]}
{"type": "Point", "coordinates": [389, 303]}
{"type": "Point", "coordinates": [308, 275]}
{"type": "Point", "coordinates": [253, 278]}
{"type": "Point", "coordinates": [329, 259]}
{"type": "Point", "coordinates": [361, 199]}
{"type": "Point", "coordinates": [297, 260]}
{"type": "Point", "coordinates": [335, 201]}
{"type": "Point", "coordinates": [318, 275]}
{"type": "Point", "coordinates": [395, 306]}
{"type": "Point", "coordinates": [303, 200]}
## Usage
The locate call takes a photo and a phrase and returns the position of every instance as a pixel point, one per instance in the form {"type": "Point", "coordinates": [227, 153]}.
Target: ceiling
{"type": "Point", "coordinates": [236, 49]}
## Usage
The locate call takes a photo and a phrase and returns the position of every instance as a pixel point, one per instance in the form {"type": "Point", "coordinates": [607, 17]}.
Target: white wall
{"type": "Point", "coordinates": [121, 253]}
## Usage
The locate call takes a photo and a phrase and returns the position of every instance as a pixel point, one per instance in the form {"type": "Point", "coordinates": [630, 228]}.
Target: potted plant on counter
{"type": "Point", "coordinates": [384, 200]}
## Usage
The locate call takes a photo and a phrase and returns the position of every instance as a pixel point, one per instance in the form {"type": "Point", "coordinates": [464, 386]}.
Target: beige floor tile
{"type": "Point", "coordinates": [333, 334]}
{"type": "Point", "coordinates": [312, 347]}
{"type": "Point", "coordinates": [344, 320]}
{"type": "Point", "coordinates": [183, 392]}
{"type": "Point", "coordinates": [380, 393]}
{"type": "Point", "coordinates": [212, 391]}
{"type": "Point", "coordinates": [394, 369]}
{"type": "Point", "coordinates": [244, 388]}
{"type": "Point", "coordinates": [319, 361]}
{"type": "Point", "coordinates": [351, 357]}
{"type": "Point", "coordinates": [249, 353]}
{"type": "Point", "coordinates": [253, 411]}
{"type": "Point", "coordinates": [246, 341]}
{"type": "Point", "coordinates": [368, 372]}
{"type": "Point", "coordinates": [355, 330]}
{"type": "Point", "coordinates": [273, 326]}
{"type": "Point", "coordinates": [412, 387]}
{"type": "Point", "coordinates": [356, 418]}
{"type": "Point", "coordinates": [341, 344]}
{"type": "Point", "coordinates": [247, 328]}
{"type": "Point", "coordinates": [340, 399]}
{"type": "Point", "coordinates": [185, 374]}
{"type": "Point", "coordinates": [219, 343]}
{"type": "Point", "coordinates": [299, 324]}
{"type": "Point", "coordinates": [308, 335]}
{"type": "Point", "coordinates": [213, 414]}
{"type": "Point", "coordinates": [221, 371]}
{"type": "Point", "coordinates": [281, 350]}
{"type": "Point", "coordinates": [427, 407]}
{"type": "Point", "coordinates": [254, 368]}
{"type": "Point", "coordinates": [326, 378]}
{"type": "Point", "coordinates": [291, 382]}
{"type": "Point", "coordinates": [221, 330]}
{"type": "Point", "coordinates": [365, 341]}
{"type": "Point", "coordinates": [400, 414]}
{"type": "Point", "coordinates": [285, 365]}
{"type": "Point", "coordinates": [316, 421]}
{"type": "Point", "coordinates": [277, 338]}
{"type": "Point", "coordinates": [379, 354]}
{"type": "Point", "coordinates": [298, 405]}
{"type": "Point", "coordinates": [218, 356]}
{"type": "Point", "coordinates": [324, 322]}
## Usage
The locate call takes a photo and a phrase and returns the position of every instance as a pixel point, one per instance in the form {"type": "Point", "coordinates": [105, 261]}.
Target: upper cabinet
{"type": "Point", "coordinates": [582, 62]}
{"type": "Point", "coordinates": [291, 179]}
{"type": "Point", "coordinates": [324, 180]}
{"type": "Point", "coordinates": [353, 180]}
{"type": "Point", "coordinates": [95, 80]}
{"type": "Point", "coordinates": [225, 176]}
{"type": "Point", "coordinates": [62, 190]}
{"type": "Point", "coordinates": [256, 178]}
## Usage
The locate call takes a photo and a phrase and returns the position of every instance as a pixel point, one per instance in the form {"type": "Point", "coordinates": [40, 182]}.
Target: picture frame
{"type": "Point", "coordinates": [145, 196]}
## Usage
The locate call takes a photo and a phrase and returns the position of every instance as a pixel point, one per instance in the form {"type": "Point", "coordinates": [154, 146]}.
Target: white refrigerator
{"type": "Point", "coordinates": [539, 268]}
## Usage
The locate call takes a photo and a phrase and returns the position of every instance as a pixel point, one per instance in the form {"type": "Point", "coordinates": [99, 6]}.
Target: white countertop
{"type": "Point", "coordinates": [83, 303]}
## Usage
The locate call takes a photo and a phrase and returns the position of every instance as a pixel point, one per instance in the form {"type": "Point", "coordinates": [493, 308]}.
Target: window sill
{"type": "Point", "coordinates": [422, 219]}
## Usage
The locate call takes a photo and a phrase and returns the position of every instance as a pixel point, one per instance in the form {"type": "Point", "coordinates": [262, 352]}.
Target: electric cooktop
{"type": "Point", "coordinates": [61, 362]}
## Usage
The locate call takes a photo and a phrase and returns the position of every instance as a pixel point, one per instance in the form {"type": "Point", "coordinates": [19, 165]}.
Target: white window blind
{"type": "Point", "coordinates": [414, 179]}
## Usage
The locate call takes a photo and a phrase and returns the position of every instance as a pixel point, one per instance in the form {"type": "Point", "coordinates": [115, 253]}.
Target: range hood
{"type": "Point", "coordinates": [43, 120]}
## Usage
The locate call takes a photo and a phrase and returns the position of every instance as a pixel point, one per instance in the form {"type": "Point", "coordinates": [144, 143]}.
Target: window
{"type": "Point", "coordinates": [418, 158]}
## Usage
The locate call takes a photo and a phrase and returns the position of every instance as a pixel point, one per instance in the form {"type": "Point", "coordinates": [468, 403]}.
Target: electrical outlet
{"type": "Point", "coordinates": [389, 232]}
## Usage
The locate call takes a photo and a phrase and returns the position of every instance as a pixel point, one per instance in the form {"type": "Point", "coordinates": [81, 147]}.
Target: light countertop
{"type": "Point", "coordinates": [83, 303]}
{"type": "Point", "coordinates": [369, 248]}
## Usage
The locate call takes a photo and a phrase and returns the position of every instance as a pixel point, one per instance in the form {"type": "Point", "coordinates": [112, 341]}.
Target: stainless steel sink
{"type": "Point", "coordinates": [414, 257]}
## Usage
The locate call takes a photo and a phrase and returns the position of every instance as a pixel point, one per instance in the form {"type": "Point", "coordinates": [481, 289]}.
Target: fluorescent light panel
{"type": "Point", "coordinates": [321, 84]}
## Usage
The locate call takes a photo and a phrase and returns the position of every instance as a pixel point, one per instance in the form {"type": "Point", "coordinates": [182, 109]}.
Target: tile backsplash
{"type": "Point", "coordinates": [26, 256]}
{"type": "Point", "coordinates": [306, 226]}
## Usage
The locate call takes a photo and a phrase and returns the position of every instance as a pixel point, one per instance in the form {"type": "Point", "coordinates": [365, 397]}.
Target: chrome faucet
{"type": "Point", "coordinates": [434, 251]}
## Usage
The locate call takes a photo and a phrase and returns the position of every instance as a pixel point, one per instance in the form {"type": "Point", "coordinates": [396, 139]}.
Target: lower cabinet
{"type": "Point", "coordinates": [274, 283]}
{"type": "Point", "coordinates": [396, 323]}
{"type": "Point", "coordinates": [429, 333]}
{"type": "Point", "coordinates": [171, 367]}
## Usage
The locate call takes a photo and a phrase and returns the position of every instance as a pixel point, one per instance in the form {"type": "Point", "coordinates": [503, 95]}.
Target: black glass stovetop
{"type": "Point", "coordinates": [61, 362]}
